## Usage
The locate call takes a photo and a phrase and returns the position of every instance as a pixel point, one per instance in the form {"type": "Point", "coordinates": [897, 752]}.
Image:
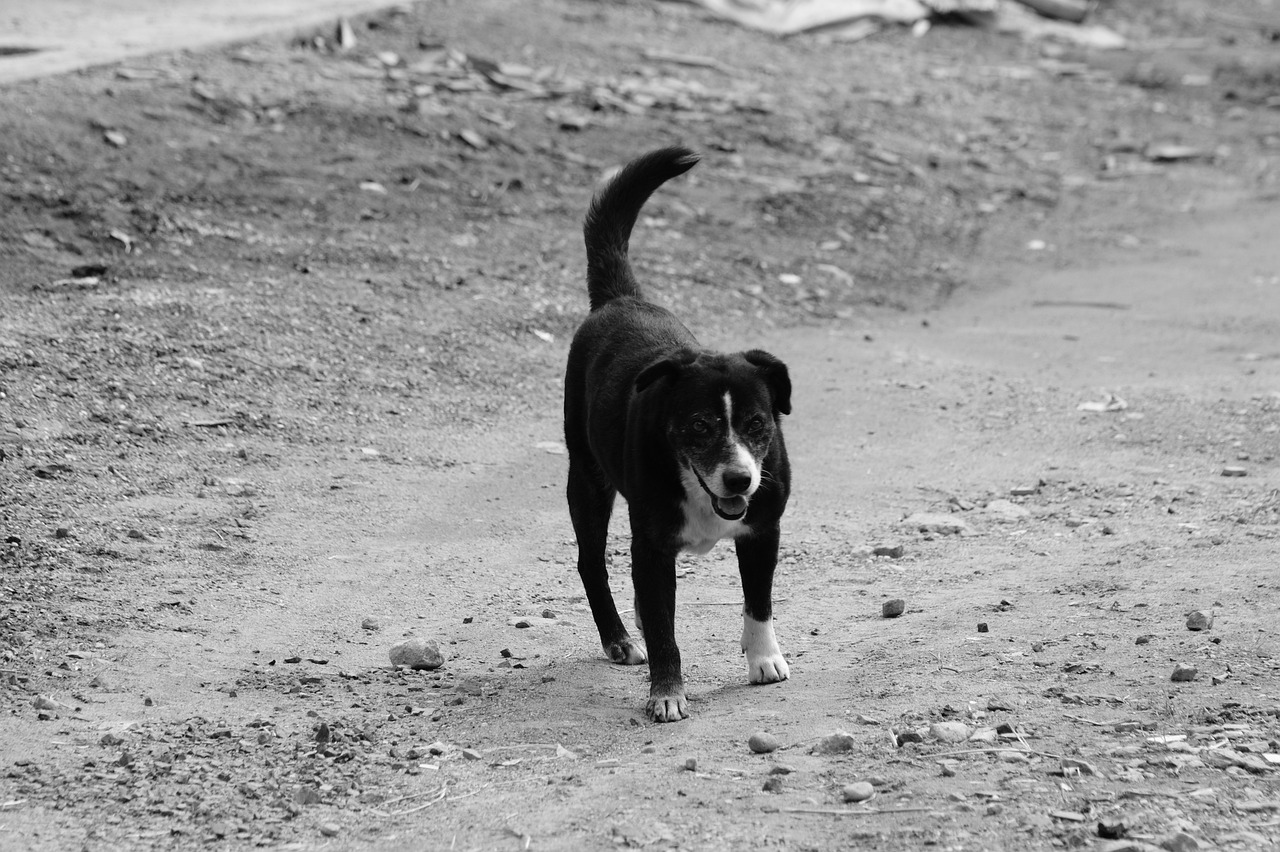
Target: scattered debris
{"type": "Point", "coordinates": [1111, 403]}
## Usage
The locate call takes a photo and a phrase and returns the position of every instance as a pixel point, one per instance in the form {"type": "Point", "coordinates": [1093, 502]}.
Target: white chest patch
{"type": "Point", "coordinates": [702, 526]}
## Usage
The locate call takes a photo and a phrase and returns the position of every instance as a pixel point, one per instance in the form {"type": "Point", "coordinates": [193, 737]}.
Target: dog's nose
{"type": "Point", "coordinates": [736, 481]}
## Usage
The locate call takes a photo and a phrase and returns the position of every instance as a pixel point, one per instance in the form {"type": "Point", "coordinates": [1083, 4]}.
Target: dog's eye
{"type": "Point", "coordinates": [755, 425]}
{"type": "Point", "coordinates": [700, 427]}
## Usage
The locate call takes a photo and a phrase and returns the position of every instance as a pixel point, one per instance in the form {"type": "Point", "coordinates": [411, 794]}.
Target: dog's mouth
{"type": "Point", "coordinates": [729, 508]}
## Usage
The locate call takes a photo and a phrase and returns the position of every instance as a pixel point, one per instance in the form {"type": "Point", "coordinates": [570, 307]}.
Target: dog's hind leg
{"type": "Point", "coordinates": [757, 558]}
{"type": "Point", "coordinates": [590, 505]}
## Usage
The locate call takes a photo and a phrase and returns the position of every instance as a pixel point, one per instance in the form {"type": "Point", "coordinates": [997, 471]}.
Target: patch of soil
{"type": "Point", "coordinates": [281, 332]}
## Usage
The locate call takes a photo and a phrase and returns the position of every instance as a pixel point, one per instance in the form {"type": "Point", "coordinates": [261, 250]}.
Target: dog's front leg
{"type": "Point", "coordinates": [757, 558]}
{"type": "Point", "coordinates": [653, 573]}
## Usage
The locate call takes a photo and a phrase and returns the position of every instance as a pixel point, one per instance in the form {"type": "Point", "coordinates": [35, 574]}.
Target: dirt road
{"type": "Point", "coordinates": [281, 365]}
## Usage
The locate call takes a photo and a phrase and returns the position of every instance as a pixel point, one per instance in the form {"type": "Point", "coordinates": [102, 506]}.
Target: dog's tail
{"type": "Point", "coordinates": [612, 214]}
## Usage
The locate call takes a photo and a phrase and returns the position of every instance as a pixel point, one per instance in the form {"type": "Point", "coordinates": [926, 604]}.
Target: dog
{"type": "Point", "coordinates": [691, 438]}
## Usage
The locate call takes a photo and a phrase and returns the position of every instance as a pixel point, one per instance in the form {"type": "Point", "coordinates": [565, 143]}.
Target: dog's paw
{"type": "Point", "coordinates": [625, 653]}
{"type": "Point", "coordinates": [765, 663]}
{"type": "Point", "coordinates": [667, 708]}
{"type": "Point", "coordinates": [767, 669]}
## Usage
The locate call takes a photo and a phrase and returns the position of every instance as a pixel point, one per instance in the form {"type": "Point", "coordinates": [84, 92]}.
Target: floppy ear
{"type": "Point", "coordinates": [669, 366]}
{"type": "Point", "coordinates": [775, 376]}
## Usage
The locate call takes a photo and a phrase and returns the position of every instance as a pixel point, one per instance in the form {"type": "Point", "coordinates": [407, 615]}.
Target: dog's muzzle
{"type": "Point", "coordinates": [729, 508]}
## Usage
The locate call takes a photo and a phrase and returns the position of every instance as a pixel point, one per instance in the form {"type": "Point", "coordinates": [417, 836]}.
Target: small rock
{"type": "Point", "coordinates": [1199, 620]}
{"type": "Point", "coordinates": [691, 764]}
{"type": "Point", "coordinates": [371, 624]}
{"type": "Point", "coordinates": [1144, 639]}
{"type": "Point", "coordinates": [938, 523]}
{"type": "Point", "coordinates": [1082, 767]}
{"type": "Point", "coordinates": [472, 754]}
{"type": "Point", "coordinates": [330, 829]}
{"type": "Point", "coordinates": [781, 769]}
{"type": "Point", "coordinates": [763, 743]}
{"type": "Point", "coordinates": [985, 735]}
{"type": "Point", "coordinates": [772, 784]}
{"type": "Point", "coordinates": [304, 795]}
{"type": "Point", "coordinates": [1021, 491]}
{"type": "Point", "coordinates": [949, 732]}
{"type": "Point", "coordinates": [893, 608]}
{"type": "Point", "coordinates": [1005, 510]}
{"type": "Point", "coordinates": [858, 791]}
{"type": "Point", "coordinates": [110, 739]}
{"type": "Point", "coordinates": [416, 653]}
{"type": "Point", "coordinates": [982, 627]}
{"type": "Point", "coordinates": [840, 741]}
{"type": "Point", "coordinates": [1180, 842]}
{"type": "Point", "coordinates": [1233, 470]}
{"type": "Point", "coordinates": [1184, 674]}
{"type": "Point", "coordinates": [904, 737]}
{"type": "Point", "coordinates": [893, 551]}
{"type": "Point", "coordinates": [1111, 829]}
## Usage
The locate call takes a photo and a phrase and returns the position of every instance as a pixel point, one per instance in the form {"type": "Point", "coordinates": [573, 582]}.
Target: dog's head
{"type": "Point", "coordinates": [721, 416]}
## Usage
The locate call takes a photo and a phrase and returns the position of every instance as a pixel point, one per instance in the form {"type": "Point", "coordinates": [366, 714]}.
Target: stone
{"type": "Point", "coordinates": [949, 732]}
{"type": "Point", "coordinates": [840, 741]}
{"type": "Point", "coordinates": [762, 742]}
{"type": "Point", "coordinates": [937, 523]}
{"type": "Point", "coordinates": [858, 791]}
{"type": "Point", "coordinates": [1199, 620]}
{"type": "Point", "coordinates": [893, 551]}
{"type": "Point", "coordinates": [1184, 674]}
{"type": "Point", "coordinates": [330, 829]}
{"type": "Point", "coordinates": [1233, 470]}
{"type": "Point", "coordinates": [691, 764]}
{"type": "Point", "coordinates": [417, 653]}
{"type": "Point", "coordinates": [1179, 842]}
{"type": "Point", "coordinates": [371, 624]}
{"type": "Point", "coordinates": [893, 608]}
{"type": "Point", "coordinates": [1075, 765]}
{"type": "Point", "coordinates": [1006, 510]}
{"type": "Point", "coordinates": [772, 784]}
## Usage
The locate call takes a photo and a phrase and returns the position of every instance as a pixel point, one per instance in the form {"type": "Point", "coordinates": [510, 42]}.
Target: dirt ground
{"type": "Point", "coordinates": [281, 334]}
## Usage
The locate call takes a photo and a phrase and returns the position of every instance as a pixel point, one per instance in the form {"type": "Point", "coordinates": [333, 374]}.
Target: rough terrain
{"type": "Point", "coordinates": [281, 330]}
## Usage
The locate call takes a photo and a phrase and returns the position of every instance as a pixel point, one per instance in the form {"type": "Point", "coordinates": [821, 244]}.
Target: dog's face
{"type": "Point", "coordinates": [721, 418]}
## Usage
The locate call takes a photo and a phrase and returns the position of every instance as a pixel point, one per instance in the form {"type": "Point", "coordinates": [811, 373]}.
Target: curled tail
{"type": "Point", "coordinates": [612, 214]}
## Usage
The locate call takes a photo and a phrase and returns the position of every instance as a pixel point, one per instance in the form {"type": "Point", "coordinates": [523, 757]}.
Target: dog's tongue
{"type": "Point", "coordinates": [732, 506]}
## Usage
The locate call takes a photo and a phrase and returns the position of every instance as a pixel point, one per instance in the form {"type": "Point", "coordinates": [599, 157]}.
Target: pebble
{"type": "Point", "coordinates": [893, 608]}
{"type": "Point", "coordinates": [893, 551]}
{"type": "Point", "coordinates": [416, 653]}
{"type": "Point", "coordinates": [330, 829]}
{"type": "Point", "coordinates": [371, 624]}
{"type": "Point", "coordinates": [1006, 510]}
{"type": "Point", "coordinates": [691, 764]}
{"type": "Point", "coordinates": [1233, 470]}
{"type": "Point", "coordinates": [858, 791]}
{"type": "Point", "coordinates": [1199, 620]}
{"type": "Point", "coordinates": [1183, 674]}
{"type": "Point", "coordinates": [772, 784]}
{"type": "Point", "coordinates": [835, 743]}
{"type": "Point", "coordinates": [1179, 842]}
{"type": "Point", "coordinates": [762, 743]}
{"type": "Point", "coordinates": [949, 732]}
{"type": "Point", "coordinates": [936, 522]}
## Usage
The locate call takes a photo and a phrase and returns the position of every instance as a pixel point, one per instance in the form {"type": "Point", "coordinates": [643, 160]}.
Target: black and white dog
{"type": "Point", "coordinates": [690, 437]}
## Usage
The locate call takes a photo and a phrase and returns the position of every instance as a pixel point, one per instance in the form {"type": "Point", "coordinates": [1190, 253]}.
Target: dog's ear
{"type": "Point", "coordinates": [775, 376]}
{"type": "Point", "coordinates": [669, 366]}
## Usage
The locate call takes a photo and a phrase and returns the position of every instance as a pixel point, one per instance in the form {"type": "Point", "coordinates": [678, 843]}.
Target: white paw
{"type": "Point", "coordinates": [765, 663]}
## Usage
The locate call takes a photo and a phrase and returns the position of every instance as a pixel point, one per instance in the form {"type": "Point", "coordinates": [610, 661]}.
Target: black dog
{"type": "Point", "coordinates": [691, 438]}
